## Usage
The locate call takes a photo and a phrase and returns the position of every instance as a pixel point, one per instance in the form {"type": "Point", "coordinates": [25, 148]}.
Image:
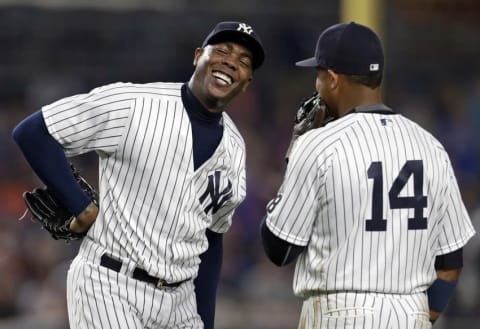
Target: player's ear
{"type": "Point", "coordinates": [333, 79]}
{"type": "Point", "coordinates": [197, 54]}
{"type": "Point", "coordinates": [247, 83]}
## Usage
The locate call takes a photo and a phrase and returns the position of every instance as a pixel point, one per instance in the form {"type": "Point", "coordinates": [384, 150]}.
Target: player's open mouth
{"type": "Point", "coordinates": [222, 78]}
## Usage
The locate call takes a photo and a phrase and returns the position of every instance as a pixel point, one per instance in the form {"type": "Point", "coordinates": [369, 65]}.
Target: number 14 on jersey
{"type": "Point", "coordinates": [412, 169]}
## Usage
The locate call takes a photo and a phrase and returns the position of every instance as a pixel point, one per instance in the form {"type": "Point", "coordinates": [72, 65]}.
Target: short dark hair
{"type": "Point", "coordinates": [372, 80]}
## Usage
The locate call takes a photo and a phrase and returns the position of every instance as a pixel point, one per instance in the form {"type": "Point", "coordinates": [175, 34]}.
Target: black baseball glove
{"type": "Point", "coordinates": [312, 113]}
{"type": "Point", "coordinates": [51, 214]}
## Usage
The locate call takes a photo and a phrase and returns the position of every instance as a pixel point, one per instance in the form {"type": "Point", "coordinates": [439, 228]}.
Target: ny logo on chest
{"type": "Point", "coordinates": [217, 197]}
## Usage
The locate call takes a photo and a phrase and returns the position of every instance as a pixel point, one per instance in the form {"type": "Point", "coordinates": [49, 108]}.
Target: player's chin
{"type": "Point", "coordinates": [224, 92]}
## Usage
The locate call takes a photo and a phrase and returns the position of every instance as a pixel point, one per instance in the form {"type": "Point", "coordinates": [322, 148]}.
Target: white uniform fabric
{"type": "Point", "coordinates": [101, 298]}
{"type": "Point", "coordinates": [348, 193]}
{"type": "Point", "coordinates": [365, 311]}
{"type": "Point", "coordinates": [154, 207]}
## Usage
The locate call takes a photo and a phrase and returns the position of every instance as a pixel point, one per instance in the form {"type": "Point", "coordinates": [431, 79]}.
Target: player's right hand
{"type": "Point", "coordinates": [85, 219]}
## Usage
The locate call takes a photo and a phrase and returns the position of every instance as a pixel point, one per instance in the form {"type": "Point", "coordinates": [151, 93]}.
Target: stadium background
{"type": "Point", "coordinates": [54, 48]}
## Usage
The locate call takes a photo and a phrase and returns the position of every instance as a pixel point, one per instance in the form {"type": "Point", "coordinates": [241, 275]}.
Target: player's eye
{"type": "Point", "coordinates": [246, 62]}
{"type": "Point", "coordinates": [221, 51]}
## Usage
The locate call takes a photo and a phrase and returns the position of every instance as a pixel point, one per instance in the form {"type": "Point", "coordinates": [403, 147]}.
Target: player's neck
{"type": "Point", "coordinates": [357, 97]}
{"type": "Point", "coordinates": [211, 104]}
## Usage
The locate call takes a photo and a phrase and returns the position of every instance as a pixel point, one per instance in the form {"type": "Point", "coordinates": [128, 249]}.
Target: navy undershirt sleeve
{"type": "Point", "coordinates": [280, 252]}
{"type": "Point", "coordinates": [449, 261]}
{"type": "Point", "coordinates": [207, 280]}
{"type": "Point", "coordinates": [47, 159]}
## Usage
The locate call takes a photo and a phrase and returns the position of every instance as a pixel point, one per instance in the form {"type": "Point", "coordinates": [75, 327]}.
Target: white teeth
{"type": "Point", "coordinates": [223, 78]}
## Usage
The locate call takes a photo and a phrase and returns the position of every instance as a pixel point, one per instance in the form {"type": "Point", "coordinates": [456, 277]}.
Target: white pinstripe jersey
{"type": "Point", "coordinates": [375, 199]}
{"type": "Point", "coordinates": [154, 207]}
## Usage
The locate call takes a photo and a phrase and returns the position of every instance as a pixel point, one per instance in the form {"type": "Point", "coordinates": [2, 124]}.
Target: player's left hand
{"type": "Point", "coordinates": [52, 215]}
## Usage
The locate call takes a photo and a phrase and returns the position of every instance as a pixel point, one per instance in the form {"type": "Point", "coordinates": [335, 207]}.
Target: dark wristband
{"type": "Point", "coordinates": [439, 294]}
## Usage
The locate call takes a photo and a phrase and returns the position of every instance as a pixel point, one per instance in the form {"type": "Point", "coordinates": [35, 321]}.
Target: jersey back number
{"type": "Point", "coordinates": [412, 169]}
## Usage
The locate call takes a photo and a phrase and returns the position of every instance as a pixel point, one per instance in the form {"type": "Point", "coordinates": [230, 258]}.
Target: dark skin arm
{"type": "Point", "coordinates": [85, 219]}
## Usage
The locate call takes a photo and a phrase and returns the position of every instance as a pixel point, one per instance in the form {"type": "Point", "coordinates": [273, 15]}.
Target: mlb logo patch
{"type": "Point", "coordinates": [374, 67]}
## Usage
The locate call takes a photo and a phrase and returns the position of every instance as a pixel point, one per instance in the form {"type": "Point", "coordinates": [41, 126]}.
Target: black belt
{"type": "Point", "coordinates": [138, 273]}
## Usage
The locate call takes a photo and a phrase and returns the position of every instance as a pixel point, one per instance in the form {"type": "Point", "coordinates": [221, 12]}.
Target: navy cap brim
{"type": "Point", "coordinates": [309, 62]}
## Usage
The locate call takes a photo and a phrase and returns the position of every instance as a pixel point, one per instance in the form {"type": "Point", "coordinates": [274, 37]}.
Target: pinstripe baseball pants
{"type": "Point", "coordinates": [351, 310]}
{"type": "Point", "coordinates": [98, 297]}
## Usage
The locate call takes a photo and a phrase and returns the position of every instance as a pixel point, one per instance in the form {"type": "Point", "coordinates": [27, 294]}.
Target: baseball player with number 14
{"type": "Point", "coordinates": [369, 207]}
{"type": "Point", "coordinates": [171, 172]}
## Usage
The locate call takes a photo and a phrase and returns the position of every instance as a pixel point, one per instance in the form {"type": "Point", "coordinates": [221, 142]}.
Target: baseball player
{"type": "Point", "coordinates": [171, 173]}
{"type": "Point", "coordinates": [369, 207]}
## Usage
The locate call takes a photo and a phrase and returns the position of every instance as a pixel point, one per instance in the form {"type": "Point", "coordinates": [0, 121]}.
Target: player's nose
{"type": "Point", "coordinates": [231, 62]}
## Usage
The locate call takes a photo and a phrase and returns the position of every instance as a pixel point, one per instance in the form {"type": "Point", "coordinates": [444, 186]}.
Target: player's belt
{"type": "Point", "coordinates": [138, 273]}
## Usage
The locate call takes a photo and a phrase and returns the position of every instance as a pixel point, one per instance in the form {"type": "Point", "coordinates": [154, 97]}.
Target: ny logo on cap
{"type": "Point", "coordinates": [242, 27]}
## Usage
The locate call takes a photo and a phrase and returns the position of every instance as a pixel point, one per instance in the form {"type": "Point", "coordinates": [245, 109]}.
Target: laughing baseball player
{"type": "Point", "coordinates": [171, 173]}
{"type": "Point", "coordinates": [369, 207]}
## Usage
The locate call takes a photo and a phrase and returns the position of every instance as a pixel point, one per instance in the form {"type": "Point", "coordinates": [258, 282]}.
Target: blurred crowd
{"type": "Point", "coordinates": [47, 55]}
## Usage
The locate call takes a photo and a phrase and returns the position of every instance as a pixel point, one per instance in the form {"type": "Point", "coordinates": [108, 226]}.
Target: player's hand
{"type": "Point", "coordinates": [57, 219]}
{"type": "Point", "coordinates": [434, 316]}
{"type": "Point", "coordinates": [85, 219]}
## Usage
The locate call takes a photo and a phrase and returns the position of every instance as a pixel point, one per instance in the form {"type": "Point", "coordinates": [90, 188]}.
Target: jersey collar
{"type": "Point", "coordinates": [375, 108]}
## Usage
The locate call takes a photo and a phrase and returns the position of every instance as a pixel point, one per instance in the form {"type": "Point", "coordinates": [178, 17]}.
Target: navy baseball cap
{"type": "Point", "coordinates": [241, 33]}
{"type": "Point", "coordinates": [347, 48]}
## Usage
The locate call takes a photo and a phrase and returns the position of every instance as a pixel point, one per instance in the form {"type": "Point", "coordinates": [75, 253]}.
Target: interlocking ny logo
{"type": "Point", "coordinates": [213, 189]}
{"type": "Point", "coordinates": [242, 27]}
